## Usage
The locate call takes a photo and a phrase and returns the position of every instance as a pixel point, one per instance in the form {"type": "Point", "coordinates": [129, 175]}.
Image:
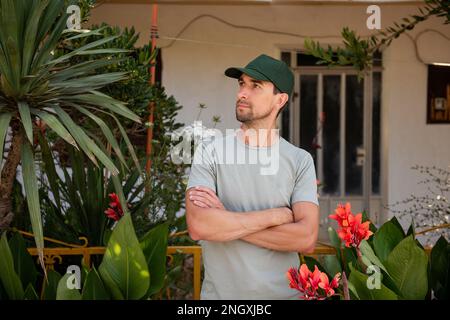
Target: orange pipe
{"type": "Point", "coordinates": [152, 83]}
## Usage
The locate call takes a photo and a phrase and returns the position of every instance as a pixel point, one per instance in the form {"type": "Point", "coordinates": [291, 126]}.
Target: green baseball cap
{"type": "Point", "coordinates": [266, 68]}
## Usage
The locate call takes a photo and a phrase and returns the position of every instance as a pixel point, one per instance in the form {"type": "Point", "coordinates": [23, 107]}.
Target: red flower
{"type": "Point", "coordinates": [352, 231]}
{"type": "Point", "coordinates": [114, 211]}
{"type": "Point", "coordinates": [314, 285]}
{"type": "Point", "coordinates": [329, 287]}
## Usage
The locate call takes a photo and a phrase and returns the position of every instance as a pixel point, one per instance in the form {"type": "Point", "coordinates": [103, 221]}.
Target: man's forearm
{"type": "Point", "coordinates": [221, 225]}
{"type": "Point", "coordinates": [296, 237]}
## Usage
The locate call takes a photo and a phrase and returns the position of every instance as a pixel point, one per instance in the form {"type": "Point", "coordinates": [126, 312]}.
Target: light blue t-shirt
{"type": "Point", "coordinates": [247, 178]}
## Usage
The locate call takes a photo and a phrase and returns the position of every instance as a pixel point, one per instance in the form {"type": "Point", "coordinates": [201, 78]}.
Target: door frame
{"type": "Point", "coordinates": [294, 120]}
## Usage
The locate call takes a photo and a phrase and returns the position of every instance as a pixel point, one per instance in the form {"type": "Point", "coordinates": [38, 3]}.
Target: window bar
{"type": "Point", "coordinates": [367, 166]}
{"type": "Point", "coordinates": [320, 137]}
{"type": "Point", "coordinates": [342, 136]}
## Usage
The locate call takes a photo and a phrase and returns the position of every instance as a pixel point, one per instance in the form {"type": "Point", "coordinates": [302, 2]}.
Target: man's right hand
{"type": "Point", "coordinates": [283, 215]}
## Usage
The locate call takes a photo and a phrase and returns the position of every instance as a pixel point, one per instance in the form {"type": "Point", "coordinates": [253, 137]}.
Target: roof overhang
{"type": "Point", "coordinates": [267, 2]}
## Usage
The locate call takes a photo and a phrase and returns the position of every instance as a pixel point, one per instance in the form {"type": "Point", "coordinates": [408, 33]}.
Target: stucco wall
{"type": "Point", "coordinates": [193, 70]}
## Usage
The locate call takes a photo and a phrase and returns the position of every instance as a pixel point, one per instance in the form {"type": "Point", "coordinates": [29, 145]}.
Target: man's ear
{"type": "Point", "coordinates": [283, 98]}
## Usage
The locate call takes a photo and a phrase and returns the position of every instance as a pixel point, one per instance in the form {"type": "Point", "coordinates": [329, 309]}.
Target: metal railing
{"type": "Point", "coordinates": [54, 256]}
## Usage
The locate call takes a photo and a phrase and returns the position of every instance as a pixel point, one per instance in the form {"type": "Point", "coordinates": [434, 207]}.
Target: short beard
{"type": "Point", "coordinates": [249, 116]}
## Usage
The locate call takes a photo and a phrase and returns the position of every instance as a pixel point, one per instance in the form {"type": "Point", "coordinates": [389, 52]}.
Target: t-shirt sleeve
{"type": "Point", "coordinates": [203, 169]}
{"type": "Point", "coordinates": [305, 188]}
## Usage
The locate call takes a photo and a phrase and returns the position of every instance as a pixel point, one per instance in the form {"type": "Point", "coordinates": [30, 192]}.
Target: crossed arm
{"type": "Point", "coordinates": [280, 229]}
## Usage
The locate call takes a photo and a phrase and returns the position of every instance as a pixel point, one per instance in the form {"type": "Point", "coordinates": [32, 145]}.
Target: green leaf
{"type": "Point", "coordinates": [51, 285]}
{"type": "Point", "coordinates": [86, 143]}
{"type": "Point", "coordinates": [5, 118]}
{"type": "Point", "coordinates": [367, 251]}
{"type": "Point", "coordinates": [359, 283]}
{"type": "Point", "coordinates": [23, 262]}
{"type": "Point", "coordinates": [8, 276]}
{"type": "Point", "coordinates": [154, 247]}
{"type": "Point", "coordinates": [107, 132]}
{"type": "Point", "coordinates": [82, 49]}
{"type": "Point", "coordinates": [30, 35]}
{"type": "Point", "coordinates": [386, 239]}
{"type": "Point", "coordinates": [94, 288]}
{"type": "Point", "coordinates": [332, 265]}
{"type": "Point", "coordinates": [335, 242]}
{"type": "Point", "coordinates": [25, 115]}
{"type": "Point", "coordinates": [312, 263]}
{"type": "Point", "coordinates": [63, 292]}
{"type": "Point", "coordinates": [31, 187]}
{"type": "Point", "coordinates": [98, 99]}
{"type": "Point", "coordinates": [350, 258]}
{"type": "Point", "coordinates": [124, 268]}
{"type": "Point", "coordinates": [50, 169]}
{"type": "Point", "coordinates": [55, 125]}
{"type": "Point", "coordinates": [411, 230]}
{"type": "Point", "coordinates": [30, 293]}
{"type": "Point", "coordinates": [439, 269]}
{"type": "Point", "coordinates": [407, 266]}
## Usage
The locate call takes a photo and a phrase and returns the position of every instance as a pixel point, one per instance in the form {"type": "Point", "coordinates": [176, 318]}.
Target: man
{"type": "Point", "coordinates": [252, 223]}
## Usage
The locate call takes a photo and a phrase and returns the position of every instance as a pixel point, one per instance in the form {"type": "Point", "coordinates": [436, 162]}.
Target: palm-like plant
{"type": "Point", "coordinates": [39, 88]}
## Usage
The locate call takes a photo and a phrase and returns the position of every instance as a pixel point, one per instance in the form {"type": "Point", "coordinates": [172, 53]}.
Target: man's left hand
{"type": "Point", "coordinates": [205, 198]}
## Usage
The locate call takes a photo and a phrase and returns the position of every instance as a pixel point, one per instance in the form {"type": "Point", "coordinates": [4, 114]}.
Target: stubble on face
{"type": "Point", "coordinates": [245, 112]}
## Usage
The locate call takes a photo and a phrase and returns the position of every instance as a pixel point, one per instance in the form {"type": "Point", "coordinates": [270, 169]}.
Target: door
{"type": "Point", "coordinates": [336, 118]}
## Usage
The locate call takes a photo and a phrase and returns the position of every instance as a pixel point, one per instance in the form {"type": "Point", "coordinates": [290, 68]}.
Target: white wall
{"type": "Point", "coordinates": [193, 71]}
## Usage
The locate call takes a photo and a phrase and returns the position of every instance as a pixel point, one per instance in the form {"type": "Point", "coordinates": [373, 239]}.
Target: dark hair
{"type": "Point", "coordinates": [277, 91]}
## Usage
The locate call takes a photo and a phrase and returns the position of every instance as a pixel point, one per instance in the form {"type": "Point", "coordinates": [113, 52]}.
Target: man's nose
{"type": "Point", "coordinates": [243, 93]}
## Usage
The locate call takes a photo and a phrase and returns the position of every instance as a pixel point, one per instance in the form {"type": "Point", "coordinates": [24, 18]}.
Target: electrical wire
{"type": "Point", "coordinates": [416, 38]}
{"type": "Point", "coordinates": [192, 21]}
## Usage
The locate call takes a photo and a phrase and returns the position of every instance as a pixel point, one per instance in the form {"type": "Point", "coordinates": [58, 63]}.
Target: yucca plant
{"type": "Point", "coordinates": [40, 89]}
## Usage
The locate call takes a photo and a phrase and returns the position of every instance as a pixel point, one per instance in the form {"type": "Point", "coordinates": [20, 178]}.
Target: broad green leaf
{"type": "Point", "coordinates": [439, 269]}
{"type": "Point", "coordinates": [63, 292]}
{"type": "Point", "coordinates": [360, 283]}
{"type": "Point", "coordinates": [31, 190]}
{"type": "Point", "coordinates": [154, 247]}
{"type": "Point", "coordinates": [8, 276]}
{"type": "Point", "coordinates": [407, 266]}
{"type": "Point", "coordinates": [395, 222]}
{"type": "Point", "coordinates": [332, 265]}
{"type": "Point", "coordinates": [349, 258]}
{"type": "Point", "coordinates": [311, 263]}
{"type": "Point", "coordinates": [94, 288]}
{"type": "Point", "coordinates": [51, 285]}
{"type": "Point", "coordinates": [23, 262]}
{"type": "Point", "coordinates": [367, 251]}
{"type": "Point", "coordinates": [386, 239]}
{"type": "Point", "coordinates": [335, 242]}
{"type": "Point", "coordinates": [25, 115]}
{"type": "Point", "coordinates": [124, 268]}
